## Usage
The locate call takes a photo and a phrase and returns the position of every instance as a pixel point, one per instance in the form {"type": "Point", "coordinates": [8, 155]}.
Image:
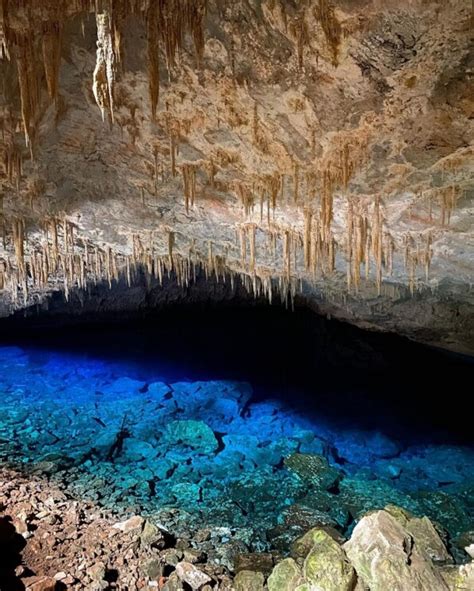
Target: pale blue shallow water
{"type": "Point", "coordinates": [160, 439]}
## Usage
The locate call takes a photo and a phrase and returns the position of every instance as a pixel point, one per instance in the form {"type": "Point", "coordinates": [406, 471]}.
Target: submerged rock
{"type": "Point", "coordinates": [313, 469]}
{"type": "Point", "coordinates": [362, 447]}
{"type": "Point", "coordinates": [386, 556]}
{"type": "Point", "coordinates": [195, 434]}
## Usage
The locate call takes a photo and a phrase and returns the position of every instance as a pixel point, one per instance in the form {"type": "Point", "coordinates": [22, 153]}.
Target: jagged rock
{"type": "Point", "coordinates": [326, 566]}
{"type": "Point", "coordinates": [385, 556]}
{"type": "Point", "coordinates": [428, 539]}
{"type": "Point", "coordinates": [191, 575]}
{"type": "Point", "coordinates": [97, 571]}
{"type": "Point", "coordinates": [314, 469]}
{"type": "Point", "coordinates": [303, 546]}
{"type": "Point", "coordinates": [151, 535]}
{"type": "Point", "coordinates": [132, 523]}
{"type": "Point", "coordinates": [424, 533]}
{"type": "Point", "coordinates": [246, 580]}
{"type": "Point", "coordinates": [286, 576]}
{"type": "Point", "coordinates": [194, 434]}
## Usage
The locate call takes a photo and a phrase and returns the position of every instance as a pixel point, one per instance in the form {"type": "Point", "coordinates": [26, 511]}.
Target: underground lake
{"type": "Point", "coordinates": [238, 428]}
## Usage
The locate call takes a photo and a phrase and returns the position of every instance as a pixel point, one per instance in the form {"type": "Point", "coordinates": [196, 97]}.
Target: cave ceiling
{"type": "Point", "coordinates": [313, 149]}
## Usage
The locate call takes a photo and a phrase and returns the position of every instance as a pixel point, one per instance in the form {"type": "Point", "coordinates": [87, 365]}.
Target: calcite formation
{"type": "Point", "coordinates": [313, 148]}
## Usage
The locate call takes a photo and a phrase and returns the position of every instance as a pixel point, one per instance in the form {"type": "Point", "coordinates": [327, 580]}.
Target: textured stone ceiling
{"type": "Point", "coordinates": [295, 146]}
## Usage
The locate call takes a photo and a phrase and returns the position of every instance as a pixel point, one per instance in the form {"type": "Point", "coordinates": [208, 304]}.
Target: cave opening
{"type": "Point", "coordinates": [238, 414]}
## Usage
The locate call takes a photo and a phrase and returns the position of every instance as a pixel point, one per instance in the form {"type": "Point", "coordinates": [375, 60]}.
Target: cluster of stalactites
{"type": "Point", "coordinates": [61, 256]}
{"type": "Point", "coordinates": [167, 23]}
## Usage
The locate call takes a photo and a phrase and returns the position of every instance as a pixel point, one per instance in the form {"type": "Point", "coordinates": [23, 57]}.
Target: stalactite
{"type": "Point", "coordinates": [29, 86]}
{"type": "Point", "coordinates": [105, 69]}
{"type": "Point", "coordinates": [251, 229]}
{"type": "Point", "coordinates": [246, 197]}
{"type": "Point", "coordinates": [189, 180]}
{"type": "Point", "coordinates": [448, 197]}
{"type": "Point", "coordinates": [296, 182]}
{"type": "Point", "coordinates": [52, 40]}
{"type": "Point", "coordinates": [171, 243]}
{"type": "Point", "coordinates": [287, 253]}
{"type": "Point", "coordinates": [308, 223]}
{"type": "Point", "coordinates": [4, 50]}
{"type": "Point", "coordinates": [255, 122]}
{"type": "Point", "coordinates": [324, 14]}
{"type": "Point", "coordinates": [300, 32]}
{"type": "Point", "coordinates": [377, 241]}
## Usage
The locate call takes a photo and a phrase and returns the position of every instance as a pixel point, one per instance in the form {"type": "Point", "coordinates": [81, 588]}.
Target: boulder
{"type": "Point", "coordinates": [313, 469]}
{"type": "Point", "coordinates": [194, 434]}
{"type": "Point", "coordinates": [386, 556]}
{"type": "Point", "coordinates": [362, 447]}
{"type": "Point", "coordinates": [303, 545]}
{"type": "Point", "coordinates": [326, 566]}
{"type": "Point", "coordinates": [247, 580]}
{"type": "Point", "coordinates": [286, 576]}
{"type": "Point", "coordinates": [191, 575]}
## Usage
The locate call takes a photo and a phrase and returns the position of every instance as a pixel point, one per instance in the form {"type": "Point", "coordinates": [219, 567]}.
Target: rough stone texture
{"type": "Point", "coordinates": [73, 544]}
{"type": "Point", "coordinates": [296, 128]}
{"type": "Point", "coordinates": [385, 556]}
{"type": "Point", "coordinates": [247, 580]}
{"type": "Point", "coordinates": [285, 576]}
{"type": "Point", "coordinates": [326, 566]}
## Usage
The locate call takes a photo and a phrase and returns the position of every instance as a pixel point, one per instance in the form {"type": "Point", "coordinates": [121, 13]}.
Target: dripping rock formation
{"type": "Point", "coordinates": [317, 149]}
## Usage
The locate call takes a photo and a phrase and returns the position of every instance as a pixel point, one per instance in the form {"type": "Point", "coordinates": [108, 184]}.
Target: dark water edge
{"type": "Point", "coordinates": [391, 419]}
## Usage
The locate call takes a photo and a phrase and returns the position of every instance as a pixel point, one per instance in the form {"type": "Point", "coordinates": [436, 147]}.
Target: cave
{"type": "Point", "coordinates": [236, 302]}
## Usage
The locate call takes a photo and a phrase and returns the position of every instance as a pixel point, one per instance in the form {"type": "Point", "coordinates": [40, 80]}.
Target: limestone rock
{"type": "Point", "coordinates": [326, 566]}
{"type": "Point", "coordinates": [303, 546]}
{"type": "Point", "coordinates": [385, 556]}
{"type": "Point", "coordinates": [191, 575]}
{"type": "Point", "coordinates": [286, 576]}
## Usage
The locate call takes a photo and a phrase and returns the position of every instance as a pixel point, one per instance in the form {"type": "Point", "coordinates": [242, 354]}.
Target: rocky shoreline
{"type": "Point", "coordinates": [52, 541]}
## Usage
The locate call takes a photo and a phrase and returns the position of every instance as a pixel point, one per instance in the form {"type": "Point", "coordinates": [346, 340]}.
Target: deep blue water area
{"type": "Point", "coordinates": [255, 419]}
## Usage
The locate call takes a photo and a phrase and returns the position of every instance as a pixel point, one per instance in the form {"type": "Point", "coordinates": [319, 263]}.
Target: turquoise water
{"type": "Point", "coordinates": [193, 452]}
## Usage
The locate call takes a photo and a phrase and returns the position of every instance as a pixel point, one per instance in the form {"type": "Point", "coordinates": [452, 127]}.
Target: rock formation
{"type": "Point", "coordinates": [313, 147]}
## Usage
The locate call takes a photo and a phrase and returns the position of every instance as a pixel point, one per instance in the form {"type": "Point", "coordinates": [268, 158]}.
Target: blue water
{"type": "Point", "coordinates": [176, 441]}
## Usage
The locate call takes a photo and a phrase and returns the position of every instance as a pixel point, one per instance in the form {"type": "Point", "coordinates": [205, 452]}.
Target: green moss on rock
{"type": "Point", "coordinates": [326, 566]}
